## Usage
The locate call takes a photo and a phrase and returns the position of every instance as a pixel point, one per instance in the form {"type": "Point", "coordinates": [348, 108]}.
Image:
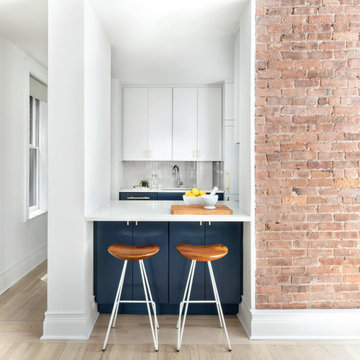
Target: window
{"type": "Point", "coordinates": [34, 154]}
{"type": "Point", "coordinates": [37, 149]}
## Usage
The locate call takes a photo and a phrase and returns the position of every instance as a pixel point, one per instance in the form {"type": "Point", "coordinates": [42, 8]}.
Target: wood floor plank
{"type": "Point", "coordinates": [22, 313]}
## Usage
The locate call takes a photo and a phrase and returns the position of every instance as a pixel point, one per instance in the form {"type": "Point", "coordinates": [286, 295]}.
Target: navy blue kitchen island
{"type": "Point", "coordinates": [167, 270]}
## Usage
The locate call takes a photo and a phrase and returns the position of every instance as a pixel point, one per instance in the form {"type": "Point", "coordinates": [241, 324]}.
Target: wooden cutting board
{"type": "Point", "coordinates": [199, 210]}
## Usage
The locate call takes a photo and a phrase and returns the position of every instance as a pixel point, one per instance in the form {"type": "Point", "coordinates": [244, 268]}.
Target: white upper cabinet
{"type": "Point", "coordinates": [180, 124]}
{"type": "Point", "coordinates": [185, 124]}
{"type": "Point", "coordinates": [160, 124]}
{"type": "Point", "coordinates": [209, 124]}
{"type": "Point", "coordinates": [135, 144]}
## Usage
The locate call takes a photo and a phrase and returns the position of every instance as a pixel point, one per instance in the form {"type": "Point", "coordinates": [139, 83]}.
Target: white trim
{"type": "Point", "coordinates": [16, 272]}
{"type": "Point", "coordinates": [211, 85]}
{"type": "Point", "coordinates": [306, 324]}
{"type": "Point", "coordinates": [36, 213]}
{"type": "Point", "coordinates": [252, 154]}
{"type": "Point", "coordinates": [70, 325]}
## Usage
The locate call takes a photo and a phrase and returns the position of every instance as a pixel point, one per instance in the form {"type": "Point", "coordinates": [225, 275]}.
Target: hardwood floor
{"type": "Point", "coordinates": [22, 312]}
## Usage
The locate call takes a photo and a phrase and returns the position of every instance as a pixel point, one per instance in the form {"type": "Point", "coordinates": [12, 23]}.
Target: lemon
{"type": "Point", "coordinates": [202, 192]}
{"type": "Point", "coordinates": [188, 193]}
{"type": "Point", "coordinates": [195, 192]}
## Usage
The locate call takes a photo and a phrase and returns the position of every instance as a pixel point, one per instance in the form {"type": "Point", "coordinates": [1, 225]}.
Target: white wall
{"type": "Point", "coordinates": [244, 135]}
{"type": "Point", "coordinates": [22, 242]}
{"type": "Point", "coordinates": [97, 112]}
{"type": "Point", "coordinates": [79, 162]}
{"type": "Point", "coordinates": [116, 139]}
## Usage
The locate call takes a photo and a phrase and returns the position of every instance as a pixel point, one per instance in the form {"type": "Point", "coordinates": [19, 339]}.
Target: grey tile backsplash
{"type": "Point", "coordinates": [202, 174]}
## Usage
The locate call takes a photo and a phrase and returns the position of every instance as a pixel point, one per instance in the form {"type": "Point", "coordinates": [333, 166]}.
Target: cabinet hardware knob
{"type": "Point", "coordinates": [200, 223]}
{"type": "Point", "coordinates": [127, 223]}
{"type": "Point", "coordinates": [209, 223]}
{"type": "Point", "coordinates": [136, 223]}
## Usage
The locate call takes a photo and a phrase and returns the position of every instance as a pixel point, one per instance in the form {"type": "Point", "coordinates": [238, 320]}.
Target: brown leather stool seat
{"type": "Point", "coordinates": [132, 252]}
{"type": "Point", "coordinates": [202, 252]}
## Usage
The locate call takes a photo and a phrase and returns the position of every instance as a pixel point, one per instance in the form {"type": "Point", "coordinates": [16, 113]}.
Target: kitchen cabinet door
{"type": "Point", "coordinates": [135, 144]}
{"type": "Point", "coordinates": [145, 233]}
{"type": "Point", "coordinates": [138, 196]}
{"type": "Point", "coordinates": [160, 124]}
{"type": "Point", "coordinates": [189, 233]}
{"type": "Point", "coordinates": [107, 268]}
{"type": "Point", "coordinates": [209, 124]}
{"type": "Point", "coordinates": [228, 270]}
{"type": "Point", "coordinates": [184, 124]}
{"type": "Point", "coordinates": [170, 195]}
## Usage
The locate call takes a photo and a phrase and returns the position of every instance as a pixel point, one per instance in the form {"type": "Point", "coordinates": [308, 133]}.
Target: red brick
{"type": "Point", "coordinates": [307, 154]}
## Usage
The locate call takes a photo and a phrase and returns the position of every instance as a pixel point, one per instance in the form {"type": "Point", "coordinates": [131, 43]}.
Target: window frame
{"type": "Point", "coordinates": [35, 123]}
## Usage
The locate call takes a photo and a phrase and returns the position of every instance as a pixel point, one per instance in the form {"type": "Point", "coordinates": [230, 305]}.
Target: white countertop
{"type": "Point", "coordinates": [155, 210]}
{"type": "Point", "coordinates": [172, 190]}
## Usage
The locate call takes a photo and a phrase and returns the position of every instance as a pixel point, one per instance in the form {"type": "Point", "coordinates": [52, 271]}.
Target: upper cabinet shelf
{"type": "Point", "coordinates": [182, 124]}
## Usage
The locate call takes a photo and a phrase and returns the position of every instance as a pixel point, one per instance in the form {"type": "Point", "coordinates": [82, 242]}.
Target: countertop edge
{"type": "Point", "coordinates": [157, 211]}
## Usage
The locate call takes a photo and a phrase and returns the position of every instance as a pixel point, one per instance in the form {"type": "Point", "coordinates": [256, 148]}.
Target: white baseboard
{"type": "Point", "coordinates": [306, 324]}
{"type": "Point", "coordinates": [70, 326]}
{"type": "Point", "coordinates": [17, 271]}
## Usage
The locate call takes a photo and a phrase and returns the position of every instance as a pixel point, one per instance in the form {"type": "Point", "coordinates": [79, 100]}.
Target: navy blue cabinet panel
{"type": "Point", "coordinates": [170, 195]}
{"type": "Point", "coordinates": [228, 270]}
{"type": "Point", "coordinates": [190, 233]}
{"type": "Point", "coordinates": [157, 196]}
{"type": "Point", "coordinates": [221, 196]}
{"type": "Point", "coordinates": [107, 269]}
{"type": "Point", "coordinates": [179, 196]}
{"type": "Point", "coordinates": [157, 267]}
{"type": "Point", "coordinates": [168, 270]}
{"type": "Point", "coordinates": [138, 196]}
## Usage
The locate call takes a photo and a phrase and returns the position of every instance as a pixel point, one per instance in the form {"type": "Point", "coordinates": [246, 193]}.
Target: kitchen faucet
{"type": "Point", "coordinates": [176, 173]}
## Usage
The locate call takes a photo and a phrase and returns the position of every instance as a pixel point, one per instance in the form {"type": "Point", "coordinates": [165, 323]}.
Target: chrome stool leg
{"type": "Point", "coordinates": [154, 332]}
{"type": "Point", "coordinates": [118, 299]}
{"type": "Point", "coordinates": [181, 328]}
{"type": "Point", "coordinates": [116, 304]}
{"type": "Point", "coordinates": [217, 298]}
{"type": "Point", "coordinates": [149, 291]}
{"type": "Point", "coordinates": [185, 292]}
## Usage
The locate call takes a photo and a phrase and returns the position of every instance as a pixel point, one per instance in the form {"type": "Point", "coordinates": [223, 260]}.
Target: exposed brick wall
{"type": "Point", "coordinates": [308, 153]}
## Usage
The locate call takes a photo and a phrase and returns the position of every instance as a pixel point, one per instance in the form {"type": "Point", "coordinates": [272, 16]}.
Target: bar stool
{"type": "Point", "coordinates": [196, 253]}
{"type": "Point", "coordinates": [134, 253]}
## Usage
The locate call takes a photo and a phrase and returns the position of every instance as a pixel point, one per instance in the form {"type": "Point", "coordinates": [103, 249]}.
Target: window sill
{"type": "Point", "coordinates": [35, 213]}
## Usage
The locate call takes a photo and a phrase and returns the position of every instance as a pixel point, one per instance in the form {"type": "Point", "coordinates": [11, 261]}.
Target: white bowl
{"type": "Point", "coordinates": [210, 201]}
{"type": "Point", "coordinates": [193, 200]}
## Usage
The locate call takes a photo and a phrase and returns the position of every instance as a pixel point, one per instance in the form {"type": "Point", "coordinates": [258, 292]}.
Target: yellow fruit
{"type": "Point", "coordinates": [202, 192]}
{"type": "Point", "coordinates": [195, 192]}
{"type": "Point", "coordinates": [188, 193]}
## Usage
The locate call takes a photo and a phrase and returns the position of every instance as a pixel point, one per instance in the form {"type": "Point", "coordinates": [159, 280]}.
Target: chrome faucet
{"type": "Point", "coordinates": [176, 173]}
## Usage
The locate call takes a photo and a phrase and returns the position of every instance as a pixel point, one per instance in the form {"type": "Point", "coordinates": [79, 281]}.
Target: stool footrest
{"type": "Point", "coordinates": [135, 302]}
{"type": "Point", "coordinates": [200, 301]}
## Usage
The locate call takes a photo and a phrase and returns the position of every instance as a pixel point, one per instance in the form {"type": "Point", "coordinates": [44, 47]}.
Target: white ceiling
{"type": "Point", "coordinates": [170, 41]}
{"type": "Point", "coordinates": [24, 22]}
{"type": "Point", "coordinates": [153, 41]}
